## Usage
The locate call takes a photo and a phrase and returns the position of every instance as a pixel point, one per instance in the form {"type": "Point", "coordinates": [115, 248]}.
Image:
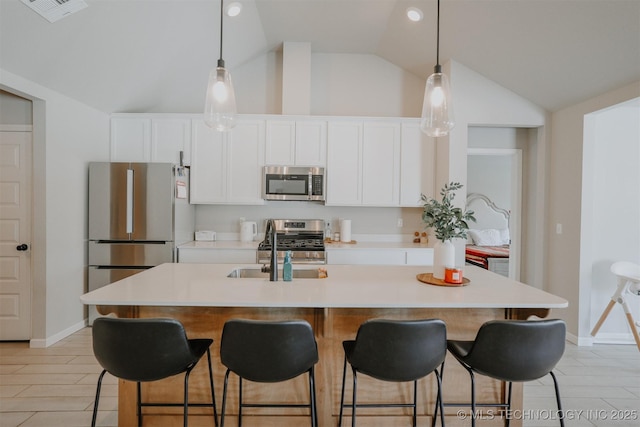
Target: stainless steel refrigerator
{"type": "Point", "coordinates": [138, 214]}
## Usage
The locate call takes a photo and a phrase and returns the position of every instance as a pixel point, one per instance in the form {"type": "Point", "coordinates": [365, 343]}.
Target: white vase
{"type": "Point", "coordinates": [444, 255]}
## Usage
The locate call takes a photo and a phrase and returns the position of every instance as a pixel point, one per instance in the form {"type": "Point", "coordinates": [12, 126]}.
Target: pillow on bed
{"type": "Point", "coordinates": [490, 237]}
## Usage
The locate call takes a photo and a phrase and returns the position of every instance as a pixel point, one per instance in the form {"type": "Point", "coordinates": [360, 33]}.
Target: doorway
{"type": "Point", "coordinates": [15, 232]}
{"type": "Point", "coordinates": [497, 174]}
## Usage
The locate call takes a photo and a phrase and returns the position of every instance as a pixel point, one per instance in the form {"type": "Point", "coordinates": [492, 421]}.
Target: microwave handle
{"type": "Point", "coordinates": [310, 185]}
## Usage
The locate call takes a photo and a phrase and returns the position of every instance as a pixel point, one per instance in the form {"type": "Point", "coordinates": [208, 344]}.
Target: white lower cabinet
{"type": "Point", "coordinates": [423, 256]}
{"type": "Point", "coordinates": [217, 256]}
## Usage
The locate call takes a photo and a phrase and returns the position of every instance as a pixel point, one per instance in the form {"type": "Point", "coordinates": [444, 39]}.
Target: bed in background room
{"type": "Point", "coordinates": [488, 241]}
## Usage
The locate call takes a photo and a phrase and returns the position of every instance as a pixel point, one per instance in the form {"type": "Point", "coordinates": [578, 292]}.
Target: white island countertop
{"type": "Point", "coordinates": [347, 286]}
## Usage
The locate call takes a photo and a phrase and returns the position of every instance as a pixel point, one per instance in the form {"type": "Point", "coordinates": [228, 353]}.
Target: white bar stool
{"type": "Point", "coordinates": [628, 283]}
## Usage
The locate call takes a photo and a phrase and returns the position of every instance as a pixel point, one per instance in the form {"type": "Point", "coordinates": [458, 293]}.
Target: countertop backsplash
{"type": "Point", "coordinates": [368, 223]}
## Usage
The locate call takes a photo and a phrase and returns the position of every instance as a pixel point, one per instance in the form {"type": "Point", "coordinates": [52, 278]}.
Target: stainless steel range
{"type": "Point", "coordinates": [303, 237]}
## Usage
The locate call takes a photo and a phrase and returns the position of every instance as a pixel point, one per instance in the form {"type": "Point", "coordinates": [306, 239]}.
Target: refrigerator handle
{"type": "Point", "coordinates": [129, 201]}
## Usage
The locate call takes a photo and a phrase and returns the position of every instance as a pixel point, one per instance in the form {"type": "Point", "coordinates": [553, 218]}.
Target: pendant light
{"type": "Point", "coordinates": [437, 112]}
{"type": "Point", "coordinates": [220, 107]}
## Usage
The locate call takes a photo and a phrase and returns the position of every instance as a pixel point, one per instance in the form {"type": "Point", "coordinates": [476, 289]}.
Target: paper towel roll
{"type": "Point", "coordinates": [345, 230]}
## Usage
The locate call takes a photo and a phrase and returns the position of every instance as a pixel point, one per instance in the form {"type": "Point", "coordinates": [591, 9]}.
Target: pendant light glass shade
{"type": "Point", "coordinates": [220, 107]}
{"type": "Point", "coordinates": [437, 114]}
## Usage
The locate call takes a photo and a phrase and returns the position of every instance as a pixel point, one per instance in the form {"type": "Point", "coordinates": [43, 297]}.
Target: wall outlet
{"type": "Point", "coordinates": [400, 223]}
{"type": "Point", "coordinates": [558, 228]}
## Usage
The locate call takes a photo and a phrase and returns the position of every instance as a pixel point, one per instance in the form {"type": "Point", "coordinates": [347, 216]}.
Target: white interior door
{"type": "Point", "coordinates": [15, 235]}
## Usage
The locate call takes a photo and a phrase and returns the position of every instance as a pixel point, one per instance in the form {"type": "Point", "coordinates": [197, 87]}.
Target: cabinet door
{"type": "Point", "coordinates": [344, 163]}
{"type": "Point", "coordinates": [130, 139]}
{"type": "Point", "coordinates": [311, 143]}
{"type": "Point", "coordinates": [245, 159]}
{"type": "Point", "coordinates": [208, 165]}
{"type": "Point", "coordinates": [280, 142]}
{"type": "Point", "coordinates": [417, 165]}
{"type": "Point", "coordinates": [366, 257]}
{"type": "Point", "coordinates": [169, 137]}
{"type": "Point", "coordinates": [381, 164]}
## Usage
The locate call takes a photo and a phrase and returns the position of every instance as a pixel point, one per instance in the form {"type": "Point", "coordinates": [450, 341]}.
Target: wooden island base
{"type": "Point", "coordinates": [331, 326]}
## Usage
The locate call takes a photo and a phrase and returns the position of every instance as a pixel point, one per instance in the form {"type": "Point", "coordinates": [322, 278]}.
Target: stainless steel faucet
{"type": "Point", "coordinates": [271, 234]}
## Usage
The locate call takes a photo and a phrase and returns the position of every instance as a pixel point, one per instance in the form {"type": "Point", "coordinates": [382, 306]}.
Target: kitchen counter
{"type": "Point", "coordinates": [203, 298]}
{"type": "Point", "coordinates": [347, 286]}
{"type": "Point", "coordinates": [219, 244]}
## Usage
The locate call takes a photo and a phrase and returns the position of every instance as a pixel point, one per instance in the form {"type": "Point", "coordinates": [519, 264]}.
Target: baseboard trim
{"type": "Point", "coordinates": [601, 338]}
{"type": "Point", "coordinates": [43, 343]}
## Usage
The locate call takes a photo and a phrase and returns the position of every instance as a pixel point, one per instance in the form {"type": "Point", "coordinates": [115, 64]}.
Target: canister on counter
{"type": "Point", "coordinates": [453, 275]}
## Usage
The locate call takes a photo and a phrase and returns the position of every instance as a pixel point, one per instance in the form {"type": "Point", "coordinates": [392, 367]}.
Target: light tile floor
{"type": "Point", "coordinates": [55, 387]}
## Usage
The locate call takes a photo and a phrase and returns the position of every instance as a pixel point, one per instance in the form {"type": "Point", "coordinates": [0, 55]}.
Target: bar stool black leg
{"type": "Point", "coordinates": [415, 400]}
{"type": "Point", "coordinates": [353, 403]}
{"type": "Point", "coordinates": [213, 392]}
{"type": "Point", "coordinates": [439, 399]}
{"type": "Point", "coordinates": [344, 377]}
{"type": "Point", "coordinates": [224, 397]}
{"type": "Point", "coordinates": [139, 404]}
{"type": "Point", "coordinates": [239, 401]}
{"type": "Point", "coordinates": [186, 398]}
{"type": "Point", "coordinates": [557, 389]}
{"type": "Point", "coordinates": [95, 404]}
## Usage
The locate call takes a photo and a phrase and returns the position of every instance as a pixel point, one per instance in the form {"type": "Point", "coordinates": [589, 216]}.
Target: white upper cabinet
{"type": "Point", "coordinates": [208, 167]}
{"type": "Point", "coordinates": [381, 164]}
{"type": "Point", "coordinates": [130, 139]}
{"type": "Point", "coordinates": [296, 142]}
{"type": "Point", "coordinates": [226, 167]}
{"type": "Point", "coordinates": [363, 163]}
{"type": "Point", "coordinates": [311, 143]}
{"type": "Point", "coordinates": [280, 147]}
{"type": "Point", "coordinates": [169, 138]}
{"type": "Point", "coordinates": [141, 138]}
{"type": "Point", "coordinates": [245, 160]}
{"type": "Point", "coordinates": [344, 163]}
{"type": "Point", "coordinates": [368, 161]}
{"type": "Point", "coordinates": [417, 165]}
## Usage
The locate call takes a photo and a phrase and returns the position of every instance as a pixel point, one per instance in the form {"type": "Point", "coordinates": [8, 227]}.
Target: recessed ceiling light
{"type": "Point", "coordinates": [414, 14]}
{"type": "Point", "coordinates": [233, 9]}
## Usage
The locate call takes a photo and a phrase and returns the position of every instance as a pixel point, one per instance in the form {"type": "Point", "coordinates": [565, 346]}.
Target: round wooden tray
{"type": "Point", "coordinates": [428, 278]}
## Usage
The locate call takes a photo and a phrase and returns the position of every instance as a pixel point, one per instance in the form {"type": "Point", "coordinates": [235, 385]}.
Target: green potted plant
{"type": "Point", "coordinates": [448, 222]}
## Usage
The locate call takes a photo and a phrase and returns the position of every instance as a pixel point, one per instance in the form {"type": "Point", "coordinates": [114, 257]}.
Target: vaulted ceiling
{"type": "Point", "coordinates": [137, 55]}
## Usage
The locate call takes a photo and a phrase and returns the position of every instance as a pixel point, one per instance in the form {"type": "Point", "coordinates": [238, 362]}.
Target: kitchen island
{"type": "Point", "coordinates": [203, 298]}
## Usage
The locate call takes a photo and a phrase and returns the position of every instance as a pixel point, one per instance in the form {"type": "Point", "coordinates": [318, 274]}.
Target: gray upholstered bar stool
{"type": "Point", "coordinates": [144, 350]}
{"type": "Point", "coordinates": [511, 350]}
{"type": "Point", "coordinates": [268, 352]}
{"type": "Point", "coordinates": [396, 351]}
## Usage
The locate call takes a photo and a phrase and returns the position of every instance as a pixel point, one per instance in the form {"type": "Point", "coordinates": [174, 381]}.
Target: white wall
{"type": "Point", "coordinates": [567, 274]}
{"type": "Point", "coordinates": [67, 135]}
{"type": "Point", "coordinates": [341, 85]}
{"type": "Point", "coordinates": [611, 203]}
{"type": "Point", "coordinates": [491, 174]}
{"type": "Point", "coordinates": [481, 102]}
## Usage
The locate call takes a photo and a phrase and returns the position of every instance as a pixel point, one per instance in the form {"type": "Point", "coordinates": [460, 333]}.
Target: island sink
{"type": "Point", "coordinates": [256, 273]}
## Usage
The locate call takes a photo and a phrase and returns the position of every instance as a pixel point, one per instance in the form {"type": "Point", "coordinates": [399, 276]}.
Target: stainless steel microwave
{"type": "Point", "coordinates": [293, 183]}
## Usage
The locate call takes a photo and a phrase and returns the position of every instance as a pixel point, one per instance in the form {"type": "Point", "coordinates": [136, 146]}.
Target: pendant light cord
{"type": "Point", "coordinates": [437, 36]}
{"type": "Point", "coordinates": [220, 60]}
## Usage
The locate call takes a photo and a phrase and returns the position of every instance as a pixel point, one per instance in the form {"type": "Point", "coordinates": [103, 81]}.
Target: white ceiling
{"type": "Point", "coordinates": [155, 55]}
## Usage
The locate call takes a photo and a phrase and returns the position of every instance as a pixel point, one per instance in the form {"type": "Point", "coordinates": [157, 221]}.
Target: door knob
{"type": "Point", "coordinates": [22, 247]}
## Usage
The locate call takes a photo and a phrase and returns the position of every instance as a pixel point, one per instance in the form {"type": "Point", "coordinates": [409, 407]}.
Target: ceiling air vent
{"type": "Point", "coordinates": [54, 10]}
